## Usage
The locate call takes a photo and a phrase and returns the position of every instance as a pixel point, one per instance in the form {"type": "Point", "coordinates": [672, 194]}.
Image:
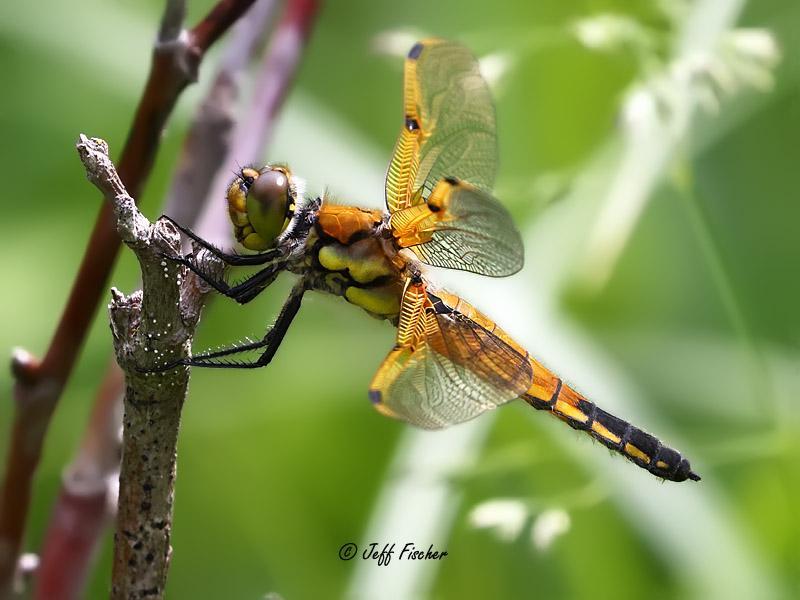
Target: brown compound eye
{"type": "Point", "coordinates": [271, 187]}
{"type": "Point", "coordinates": [268, 203]}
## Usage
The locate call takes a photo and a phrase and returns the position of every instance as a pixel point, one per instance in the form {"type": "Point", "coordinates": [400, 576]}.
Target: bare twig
{"type": "Point", "coordinates": [130, 575]}
{"type": "Point", "coordinates": [39, 383]}
{"type": "Point", "coordinates": [88, 494]}
{"type": "Point", "coordinates": [149, 327]}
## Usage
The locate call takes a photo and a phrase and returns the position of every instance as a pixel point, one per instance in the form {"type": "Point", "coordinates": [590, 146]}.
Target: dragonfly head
{"type": "Point", "coordinates": [261, 204]}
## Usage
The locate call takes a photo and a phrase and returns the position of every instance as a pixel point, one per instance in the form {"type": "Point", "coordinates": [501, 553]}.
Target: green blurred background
{"type": "Point", "coordinates": [690, 330]}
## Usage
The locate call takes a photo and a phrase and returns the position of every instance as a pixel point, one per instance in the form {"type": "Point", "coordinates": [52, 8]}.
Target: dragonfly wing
{"type": "Point", "coordinates": [461, 227]}
{"type": "Point", "coordinates": [446, 368]}
{"type": "Point", "coordinates": [448, 127]}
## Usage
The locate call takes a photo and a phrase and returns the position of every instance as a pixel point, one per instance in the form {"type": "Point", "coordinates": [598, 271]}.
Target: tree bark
{"type": "Point", "coordinates": [150, 327]}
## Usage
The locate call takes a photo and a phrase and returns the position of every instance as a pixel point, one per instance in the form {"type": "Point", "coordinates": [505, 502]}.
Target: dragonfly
{"type": "Point", "coordinates": [450, 362]}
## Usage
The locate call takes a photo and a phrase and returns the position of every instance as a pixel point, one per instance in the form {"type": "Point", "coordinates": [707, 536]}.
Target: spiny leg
{"type": "Point", "coordinates": [270, 342]}
{"type": "Point", "coordinates": [234, 260]}
{"type": "Point", "coordinates": [242, 292]}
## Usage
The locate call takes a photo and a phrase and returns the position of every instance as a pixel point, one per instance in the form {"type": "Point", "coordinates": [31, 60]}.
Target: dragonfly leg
{"type": "Point", "coordinates": [243, 291]}
{"type": "Point", "coordinates": [270, 342]}
{"type": "Point", "coordinates": [234, 260]}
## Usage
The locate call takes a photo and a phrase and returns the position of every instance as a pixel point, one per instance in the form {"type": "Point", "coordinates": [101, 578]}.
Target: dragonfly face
{"type": "Point", "coordinates": [450, 362]}
{"type": "Point", "coordinates": [261, 205]}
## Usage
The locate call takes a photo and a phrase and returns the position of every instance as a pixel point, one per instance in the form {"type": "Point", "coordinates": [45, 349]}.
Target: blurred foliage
{"type": "Point", "coordinates": [278, 468]}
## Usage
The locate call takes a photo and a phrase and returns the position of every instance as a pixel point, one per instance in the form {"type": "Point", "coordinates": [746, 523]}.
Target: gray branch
{"type": "Point", "coordinates": [150, 327]}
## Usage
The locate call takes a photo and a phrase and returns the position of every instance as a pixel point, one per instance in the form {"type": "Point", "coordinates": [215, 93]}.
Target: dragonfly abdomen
{"type": "Point", "coordinates": [543, 390]}
{"type": "Point", "coordinates": [640, 447]}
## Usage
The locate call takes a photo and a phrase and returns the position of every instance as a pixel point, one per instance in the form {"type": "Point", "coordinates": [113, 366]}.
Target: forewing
{"type": "Point", "coordinates": [448, 128]}
{"type": "Point", "coordinates": [456, 370]}
{"type": "Point", "coordinates": [461, 227]}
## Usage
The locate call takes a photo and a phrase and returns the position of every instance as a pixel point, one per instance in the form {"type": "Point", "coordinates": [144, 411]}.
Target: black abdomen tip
{"type": "Point", "coordinates": [415, 51]}
{"type": "Point", "coordinates": [680, 472]}
{"type": "Point", "coordinates": [684, 472]}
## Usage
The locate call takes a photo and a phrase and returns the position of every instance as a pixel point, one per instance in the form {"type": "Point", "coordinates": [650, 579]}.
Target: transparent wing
{"type": "Point", "coordinates": [448, 127]}
{"type": "Point", "coordinates": [446, 367]}
{"type": "Point", "coordinates": [461, 227]}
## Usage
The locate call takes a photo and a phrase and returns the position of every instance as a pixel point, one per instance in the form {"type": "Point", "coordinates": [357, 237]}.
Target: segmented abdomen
{"type": "Point", "coordinates": [550, 393]}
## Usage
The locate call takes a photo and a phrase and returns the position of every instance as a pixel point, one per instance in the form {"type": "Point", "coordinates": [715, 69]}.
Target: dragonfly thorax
{"type": "Point", "coordinates": [348, 258]}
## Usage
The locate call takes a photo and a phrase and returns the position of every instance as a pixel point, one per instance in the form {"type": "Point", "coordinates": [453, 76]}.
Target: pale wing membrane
{"type": "Point", "coordinates": [432, 392]}
{"type": "Point", "coordinates": [456, 105]}
{"type": "Point", "coordinates": [449, 127]}
{"type": "Point", "coordinates": [458, 371]}
{"type": "Point", "coordinates": [473, 232]}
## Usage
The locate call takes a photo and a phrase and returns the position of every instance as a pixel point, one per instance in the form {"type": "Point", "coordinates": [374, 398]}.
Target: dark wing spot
{"type": "Point", "coordinates": [375, 396]}
{"type": "Point", "coordinates": [414, 53]}
{"type": "Point", "coordinates": [451, 180]}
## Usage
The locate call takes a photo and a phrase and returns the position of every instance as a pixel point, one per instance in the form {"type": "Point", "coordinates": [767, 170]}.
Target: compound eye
{"type": "Point", "coordinates": [271, 187]}
{"type": "Point", "coordinates": [267, 203]}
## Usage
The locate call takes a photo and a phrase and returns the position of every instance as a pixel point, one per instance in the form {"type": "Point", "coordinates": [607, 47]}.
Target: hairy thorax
{"type": "Point", "coordinates": [346, 256]}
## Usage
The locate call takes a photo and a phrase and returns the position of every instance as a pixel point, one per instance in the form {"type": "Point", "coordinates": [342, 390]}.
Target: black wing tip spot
{"type": "Point", "coordinates": [452, 180]}
{"type": "Point", "coordinates": [375, 396]}
{"type": "Point", "coordinates": [415, 51]}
